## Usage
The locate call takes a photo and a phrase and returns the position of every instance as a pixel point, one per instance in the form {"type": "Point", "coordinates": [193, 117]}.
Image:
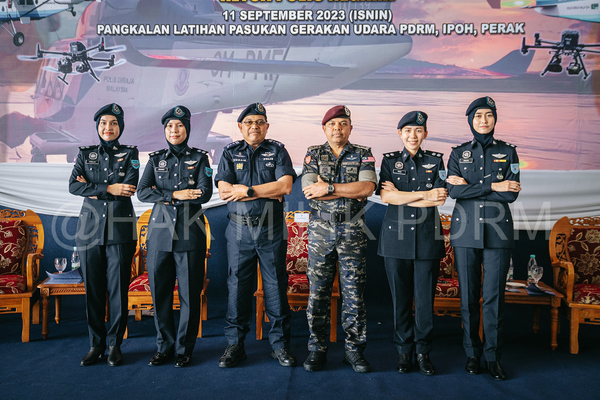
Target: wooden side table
{"type": "Point", "coordinates": [522, 297]}
{"type": "Point", "coordinates": [57, 290]}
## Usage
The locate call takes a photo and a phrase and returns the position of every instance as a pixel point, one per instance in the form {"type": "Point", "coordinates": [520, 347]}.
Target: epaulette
{"type": "Point", "coordinates": [315, 147]}
{"type": "Point", "coordinates": [88, 147]}
{"type": "Point", "coordinates": [232, 144]}
{"type": "Point", "coordinates": [392, 154]}
{"type": "Point", "coordinates": [358, 146]}
{"type": "Point", "coordinates": [275, 142]}
{"type": "Point", "coordinates": [199, 150]}
{"type": "Point", "coordinates": [130, 146]}
{"type": "Point", "coordinates": [462, 144]}
{"type": "Point", "coordinates": [157, 152]}
{"type": "Point", "coordinates": [433, 153]}
{"type": "Point", "coordinates": [506, 143]}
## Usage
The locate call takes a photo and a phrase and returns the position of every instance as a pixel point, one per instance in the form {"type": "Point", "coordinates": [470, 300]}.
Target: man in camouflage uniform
{"type": "Point", "coordinates": [337, 178]}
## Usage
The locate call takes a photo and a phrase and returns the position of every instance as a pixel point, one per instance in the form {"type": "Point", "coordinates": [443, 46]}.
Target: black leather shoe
{"type": "Point", "coordinates": [285, 357]}
{"type": "Point", "coordinates": [357, 360]}
{"type": "Point", "coordinates": [425, 365]}
{"type": "Point", "coordinates": [92, 356]}
{"type": "Point", "coordinates": [115, 357]}
{"type": "Point", "coordinates": [234, 353]}
{"type": "Point", "coordinates": [160, 358]}
{"type": "Point", "coordinates": [182, 360]}
{"type": "Point", "coordinates": [472, 366]}
{"type": "Point", "coordinates": [496, 370]}
{"type": "Point", "coordinates": [404, 363]}
{"type": "Point", "coordinates": [315, 360]}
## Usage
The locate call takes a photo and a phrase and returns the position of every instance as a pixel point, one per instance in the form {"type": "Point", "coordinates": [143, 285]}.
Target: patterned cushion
{"type": "Point", "coordinates": [447, 288]}
{"type": "Point", "coordinates": [141, 284]}
{"type": "Point", "coordinates": [587, 294]}
{"type": "Point", "coordinates": [297, 248]}
{"type": "Point", "coordinates": [12, 284]}
{"type": "Point", "coordinates": [447, 263]}
{"type": "Point", "coordinates": [13, 242]}
{"type": "Point", "coordinates": [298, 284]}
{"type": "Point", "coordinates": [584, 251]}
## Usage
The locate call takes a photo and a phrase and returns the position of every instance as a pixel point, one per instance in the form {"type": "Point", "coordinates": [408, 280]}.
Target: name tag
{"type": "Point", "coordinates": [465, 160]}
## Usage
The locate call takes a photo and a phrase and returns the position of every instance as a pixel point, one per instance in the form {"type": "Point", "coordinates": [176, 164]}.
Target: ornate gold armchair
{"type": "Point", "coordinates": [140, 298]}
{"type": "Point", "coordinates": [21, 247]}
{"type": "Point", "coordinates": [575, 255]}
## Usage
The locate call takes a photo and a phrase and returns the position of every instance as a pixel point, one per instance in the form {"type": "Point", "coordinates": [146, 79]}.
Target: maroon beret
{"type": "Point", "coordinates": [336, 112]}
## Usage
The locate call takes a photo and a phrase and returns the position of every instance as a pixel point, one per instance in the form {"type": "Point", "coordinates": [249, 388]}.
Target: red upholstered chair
{"type": "Point", "coordinates": [296, 263]}
{"type": "Point", "coordinates": [140, 297]}
{"type": "Point", "coordinates": [575, 255]}
{"type": "Point", "coordinates": [21, 246]}
{"type": "Point", "coordinates": [447, 293]}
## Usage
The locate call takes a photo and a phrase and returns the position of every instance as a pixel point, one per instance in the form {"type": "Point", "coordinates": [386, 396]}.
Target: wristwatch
{"type": "Point", "coordinates": [250, 192]}
{"type": "Point", "coordinates": [330, 188]}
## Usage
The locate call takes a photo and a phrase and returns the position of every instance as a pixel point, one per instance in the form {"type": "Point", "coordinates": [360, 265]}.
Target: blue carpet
{"type": "Point", "coordinates": [49, 369]}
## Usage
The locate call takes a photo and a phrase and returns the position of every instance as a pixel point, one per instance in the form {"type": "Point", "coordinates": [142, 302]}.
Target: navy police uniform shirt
{"type": "Point", "coordinates": [412, 232]}
{"type": "Point", "coordinates": [244, 165]}
{"type": "Point", "coordinates": [176, 225]}
{"type": "Point", "coordinates": [354, 164]}
{"type": "Point", "coordinates": [107, 219]}
{"type": "Point", "coordinates": [481, 217]}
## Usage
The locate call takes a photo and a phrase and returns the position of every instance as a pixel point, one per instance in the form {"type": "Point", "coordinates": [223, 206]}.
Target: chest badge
{"type": "Point", "coordinates": [190, 162]}
{"type": "Point", "coordinates": [239, 166]}
{"type": "Point", "coordinates": [429, 186]}
{"type": "Point", "coordinates": [120, 155]}
{"type": "Point", "coordinates": [93, 156]}
{"type": "Point", "coordinates": [500, 176]}
{"type": "Point", "coordinates": [499, 155]}
{"type": "Point", "coordinates": [162, 163]}
{"type": "Point", "coordinates": [466, 154]}
{"type": "Point", "coordinates": [428, 166]}
{"type": "Point", "coordinates": [191, 182]}
{"type": "Point", "coordinates": [399, 165]}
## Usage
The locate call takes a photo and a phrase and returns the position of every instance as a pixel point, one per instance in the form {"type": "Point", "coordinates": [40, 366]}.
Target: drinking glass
{"type": "Point", "coordinates": [536, 273]}
{"type": "Point", "coordinates": [60, 264]}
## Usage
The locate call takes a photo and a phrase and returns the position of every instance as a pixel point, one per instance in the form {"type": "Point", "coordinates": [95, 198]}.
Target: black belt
{"type": "Point", "coordinates": [249, 220]}
{"type": "Point", "coordinates": [335, 217]}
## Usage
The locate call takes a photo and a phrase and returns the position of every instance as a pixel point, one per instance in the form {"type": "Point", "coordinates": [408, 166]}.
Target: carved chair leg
{"type": "Point", "coordinates": [204, 308]}
{"type": "Point", "coordinates": [333, 331]}
{"type": "Point", "coordinates": [574, 334]}
{"type": "Point", "coordinates": [138, 314]}
{"type": "Point", "coordinates": [26, 317]}
{"type": "Point", "coordinates": [260, 310]}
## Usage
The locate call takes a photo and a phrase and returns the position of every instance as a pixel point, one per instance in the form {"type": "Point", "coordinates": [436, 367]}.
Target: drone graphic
{"type": "Point", "coordinates": [78, 58]}
{"type": "Point", "coordinates": [568, 46]}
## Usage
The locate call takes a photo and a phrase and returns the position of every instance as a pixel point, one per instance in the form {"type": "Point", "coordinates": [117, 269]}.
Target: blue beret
{"type": "Point", "coordinates": [253, 109]}
{"type": "Point", "coordinates": [109, 109]}
{"type": "Point", "coordinates": [418, 118]}
{"type": "Point", "coordinates": [482, 102]}
{"type": "Point", "coordinates": [336, 112]}
{"type": "Point", "coordinates": [178, 112]}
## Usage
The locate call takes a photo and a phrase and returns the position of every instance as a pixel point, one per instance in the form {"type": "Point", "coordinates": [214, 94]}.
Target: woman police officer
{"type": "Point", "coordinates": [411, 240]}
{"type": "Point", "coordinates": [178, 181]}
{"type": "Point", "coordinates": [106, 175]}
{"type": "Point", "coordinates": [483, 177]}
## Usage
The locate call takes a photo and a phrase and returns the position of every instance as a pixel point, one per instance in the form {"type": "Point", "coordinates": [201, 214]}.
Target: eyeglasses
{"type": "Point", "coordinates": [260, 123]}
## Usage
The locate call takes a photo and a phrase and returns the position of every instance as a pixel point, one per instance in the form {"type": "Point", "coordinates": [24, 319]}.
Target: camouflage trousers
{"type": "Point", "coordinates": [344, 243]}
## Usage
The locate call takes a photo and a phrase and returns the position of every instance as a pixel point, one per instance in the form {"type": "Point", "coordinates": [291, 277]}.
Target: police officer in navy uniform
{"type": "Point", "coordinates": [107, 176]}
{"type": "Point", "coordinates": [337, 178]}
{"type": "Point", "coordinates": [253, 176]}
{"type": "Point", "coordinates": [483, 177]}
{"type": "Point", "coordinates": [178, 181]}
{"type": "Point", "coordinates": [411, 239]}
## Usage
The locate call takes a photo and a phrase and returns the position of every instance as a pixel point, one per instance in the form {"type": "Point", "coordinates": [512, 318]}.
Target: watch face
{"type": "Point", "coordinates": [250, 192]}
{"type": "Point", "coordinates": [330, 189]}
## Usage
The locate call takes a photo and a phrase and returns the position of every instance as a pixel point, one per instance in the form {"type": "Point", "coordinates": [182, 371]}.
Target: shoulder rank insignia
{"type": "Point", "coordinates": [433, 153]}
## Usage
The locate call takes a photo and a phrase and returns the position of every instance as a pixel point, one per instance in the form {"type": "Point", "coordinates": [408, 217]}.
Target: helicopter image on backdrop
{"type": "Point", "coordinates": [78, 58]}
{"type": "Point", "coordinates": [568, 46]}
